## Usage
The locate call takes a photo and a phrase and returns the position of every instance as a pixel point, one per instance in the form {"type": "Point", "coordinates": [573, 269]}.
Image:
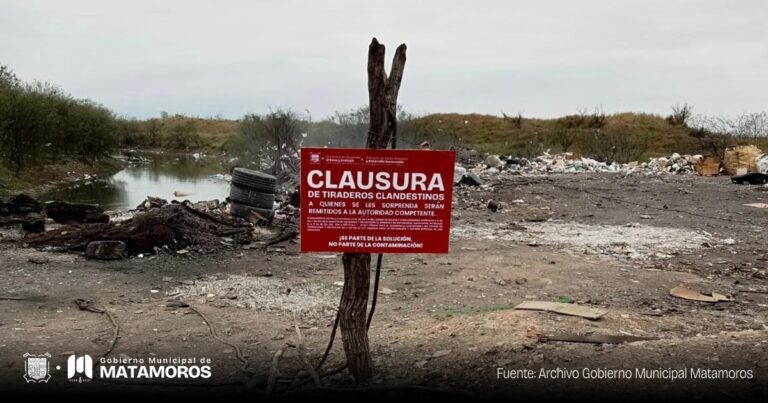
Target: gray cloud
{"type": "Point", "coordinates": [541, 58]}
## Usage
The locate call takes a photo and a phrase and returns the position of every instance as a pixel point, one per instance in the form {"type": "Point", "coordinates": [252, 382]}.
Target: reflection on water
{"type": "Point", "coordinates": [161, 177]}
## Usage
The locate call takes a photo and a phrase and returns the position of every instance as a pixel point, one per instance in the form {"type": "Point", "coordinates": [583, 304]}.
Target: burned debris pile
{"type": "Point", "coordinates": [172, 227]}
{"type": "Point", "coordinates": [63, 212]}
{"type": "Point", "coordinates": [25, 210]}
{"type": "Point", "coordinates": [31, 213]}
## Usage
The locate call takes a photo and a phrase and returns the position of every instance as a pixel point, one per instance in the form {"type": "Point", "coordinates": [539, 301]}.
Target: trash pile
{"type": "Point", "coordinates": [161, 226]}
{"type": "Point", "coordinates": [674, 164]}
{"type": "Point", "coordinates": [571, 163]}
{"type": "Point", "coordinates": [25, 210]}
{"type": "Point", "coordinates": [561, 163]}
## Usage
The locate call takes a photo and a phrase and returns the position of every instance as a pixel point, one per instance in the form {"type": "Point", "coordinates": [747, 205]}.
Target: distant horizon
{"type": "Point", "coordinates": [541, 59]}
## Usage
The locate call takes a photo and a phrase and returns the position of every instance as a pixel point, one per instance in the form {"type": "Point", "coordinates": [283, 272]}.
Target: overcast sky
{"type": "Point", "coordinates": [540, 58]}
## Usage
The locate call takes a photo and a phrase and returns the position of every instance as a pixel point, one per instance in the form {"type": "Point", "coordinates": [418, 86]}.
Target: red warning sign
{"type": "Point", "coordinates": [376, 201]}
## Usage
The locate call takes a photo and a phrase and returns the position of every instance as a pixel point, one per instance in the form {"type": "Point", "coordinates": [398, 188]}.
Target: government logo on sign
{"type": "Point", "coordinates": [37, 368]}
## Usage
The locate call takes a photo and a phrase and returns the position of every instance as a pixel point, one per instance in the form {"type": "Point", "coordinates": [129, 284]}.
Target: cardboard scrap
{"type": "Point", "coordinates": [739, 160]}
{"type": "Point", "coordinates": [708, 166]}
{"type": "Point", "coordinates": [691, 295]}
{"type": "Point", "coordinates": [563, 309]}
{"type": "Point", "coordinates": [595, 338]}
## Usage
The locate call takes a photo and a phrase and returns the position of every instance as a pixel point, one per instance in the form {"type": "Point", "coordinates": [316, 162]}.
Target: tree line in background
{"type": "Point", "coordinates": [41, 124]}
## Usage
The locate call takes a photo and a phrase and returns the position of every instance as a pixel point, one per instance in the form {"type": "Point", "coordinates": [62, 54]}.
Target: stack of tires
{"type": "Point", "coordinates": [252, 191]}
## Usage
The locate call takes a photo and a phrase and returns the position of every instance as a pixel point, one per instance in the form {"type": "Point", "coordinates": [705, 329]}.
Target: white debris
{"type": "Point", "coordinates": [570, 163]}
{"type": "Point", "coordinates": [493, 161]}
{"type": "Point", "coordinates": [631, 242]}
{"type": "Point", "coordinates": [458, 173]}
{"type": "Point", "coordinates": [762, 163]}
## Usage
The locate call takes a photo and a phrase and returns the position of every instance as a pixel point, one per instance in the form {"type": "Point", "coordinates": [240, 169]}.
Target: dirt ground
{"type": "Point", "coordinates": [443, 323]}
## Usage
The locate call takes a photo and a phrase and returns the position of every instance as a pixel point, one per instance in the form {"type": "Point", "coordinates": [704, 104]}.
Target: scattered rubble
{"type": "Point", "coordinates": [150, 203]}
{"type": "Point", "coordinates": [260, 293]}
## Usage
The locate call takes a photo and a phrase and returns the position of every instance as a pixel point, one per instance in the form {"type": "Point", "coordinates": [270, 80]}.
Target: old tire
{"type": "Point", "coordinates": [251, 198]}
{"type": "Point", "coordinates": [242, 210]}
{"type": "Point", "coordinates": [254, 180]}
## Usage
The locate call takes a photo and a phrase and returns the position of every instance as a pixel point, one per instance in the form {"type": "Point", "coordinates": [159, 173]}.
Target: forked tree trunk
{"type": "Point", "coordinates": [382, 94]}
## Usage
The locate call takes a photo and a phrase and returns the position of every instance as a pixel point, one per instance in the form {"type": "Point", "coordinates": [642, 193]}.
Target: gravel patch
{"type": "Point", "coordinates": [632, 241]}
{"type": "Point", "coordinates": [260, 293]}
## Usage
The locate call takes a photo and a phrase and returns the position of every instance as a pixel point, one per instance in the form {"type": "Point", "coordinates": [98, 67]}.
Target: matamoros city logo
{"type": "Point", "coordinates": [79, 369]}
{"type": "Point", "coordinates": [82, 368]}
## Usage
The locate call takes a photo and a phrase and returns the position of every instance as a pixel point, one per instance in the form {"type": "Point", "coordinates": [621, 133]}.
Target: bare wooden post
{"type": "Point", "coordinates": [354, 301]}
{"type": "Point", "coordinates": [382, 94]}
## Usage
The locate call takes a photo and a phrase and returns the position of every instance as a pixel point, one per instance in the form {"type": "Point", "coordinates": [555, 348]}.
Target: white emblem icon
{"type": "Point", "coordinates": [79, 369]}
{"type": "Point", "coordinates": [37, 368]}
{"type": "Point", "coordinates": [314, 158]}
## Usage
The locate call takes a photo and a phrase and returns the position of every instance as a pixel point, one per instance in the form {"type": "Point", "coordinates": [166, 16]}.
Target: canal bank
{"type": "Point", "coordinates": [42, 179]}
{"type": "Point", "coordinates": [170, 176]}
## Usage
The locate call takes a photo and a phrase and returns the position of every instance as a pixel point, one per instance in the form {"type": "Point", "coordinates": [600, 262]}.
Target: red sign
{"type": "Point", "coordinates": [376, 201]}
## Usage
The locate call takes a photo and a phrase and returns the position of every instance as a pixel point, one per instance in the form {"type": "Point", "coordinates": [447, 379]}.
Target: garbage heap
{"type": "Point", "coordinates": [571, 163]}
{"type": "Point", "coordinates": [156, 225]}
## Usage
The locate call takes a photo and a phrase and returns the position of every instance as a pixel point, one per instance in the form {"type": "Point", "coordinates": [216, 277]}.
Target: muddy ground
{"type": "Point", "coordinates": [443, 322]}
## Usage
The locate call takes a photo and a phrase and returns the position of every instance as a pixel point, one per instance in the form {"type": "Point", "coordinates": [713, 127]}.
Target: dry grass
{"type": "Point", "coordinates": [621, 137]}
{"type": "Point", "coordinates": [213, 132]}
{"type": "Point", "coordinates": [505, 135]}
